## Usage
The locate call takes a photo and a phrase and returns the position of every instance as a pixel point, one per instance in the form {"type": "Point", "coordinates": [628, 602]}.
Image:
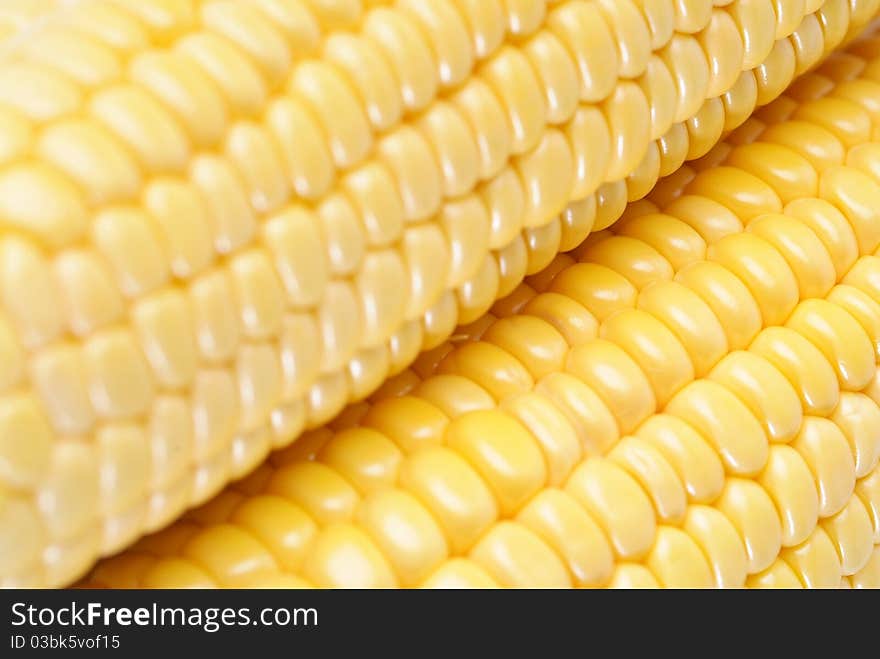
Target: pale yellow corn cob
{"type": "Point", "coordinates": [251, 213]}
{"type": "Point", "coordinates": [690, 398]}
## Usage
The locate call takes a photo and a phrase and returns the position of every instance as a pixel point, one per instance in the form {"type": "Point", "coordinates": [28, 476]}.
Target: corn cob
{"type": "Point", "coordinates": [689, 398]}
{"type": "Point", "coordinates": [253, 212]}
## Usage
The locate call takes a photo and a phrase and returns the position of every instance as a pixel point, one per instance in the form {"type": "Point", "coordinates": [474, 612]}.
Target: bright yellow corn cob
{"type": "Point", "coordinates": [691, 398]}
{"type": "Point", "coordinates": [251, 213]}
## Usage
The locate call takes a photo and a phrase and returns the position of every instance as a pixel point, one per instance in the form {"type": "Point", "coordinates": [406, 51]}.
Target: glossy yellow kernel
{"type": "Point", "coordinates": [831, 227]}
{"type": "Point", "coordinates": [802, 249]}
{"type": "Point", "coordinates": [405, 532]}
{"type": "Point", "coordinates": [626, 112]}
{"type": "Point", "coordinates": [705, 128]}
{"type": "Point", "coordinates": [456, 150]}
{"type": "Point", "coordinates": [720, 541]}
{"type": "Point", "coordinates": [858, 417]}
{"type": "Point", "coordinates": [459, 573]}
{"type": "Point", "coordinates": [673, 148]}
{"type": "Point", "coordinates": [656, 476]}
{"type": "Point", "coordinates": [677, 561]}
{"type": "Point", "coordinates": [790, 484]}
{"type": "Point", "coordinates": [659, 89]}
{"type": "Point", "coordinates": [790, 175]}
{"type": "Point", "coordinates": [689, 319]}
{"type": "Point", "coordinates": [654, 348]}
{"type": "Point", "coordinates": [706, 216]}
{"type": "Point", "coordinates": [764, 271]}
{"type": "Point", "coordinates": [868, 490]}
{"type": "Point", "coordinates": [741, 192]}
{"type": "Point", "coordinates": [803, 365]}
{"type": "Point", "coordinates": [366, 459]}
{"type": "Point", "coordinates": [453, 492]}
{"type": "Point", "coordinates": [616, 378]}
{"type": "Point", "coordinates": [766, 392]}
{"type": "Point", "coordinates": [512, 77]}
{"type": "Point", "coordinates": [776, 71]}
{"type": "Point", "coordinates": [516, 557]}
{"type": "Point", "coordinates": [778, 575]}
{"type": "Point", "coordinates": [546, 194]}
{"type": "Point", "coordinates": [749, 508]}
{"type": "Point", "coordinates": [408, 155]}
{"type": "Point", "coordinates": [643, 177]}
{"type": "Point", "coordinates": [674, 239]}
{"type": "Point", "coordinates": [588, 38]}
{"type": "Point", "coordinates": [59, 218]}
{"type": "Point", "coordinates": [617, 503]}
{"type": "Point", "coordinates": [611, 200]}
{"type": "Point", "coordinates": [631, 576]}
{"type": "Point", "coordinates": [824, 448]}
{"type": "Point", "coordinates": [554, 433]}
{"type": "Point", "coordinates": [728, 298]}
{"type": "Point", "coordinates": [533, 341]}
{"type": "Point", "coordinates": [304, 151]}
{"type": "Point", "coordinates": [560, 522]}
{"type": "Point", "coordinates": [854, 193]}
{"type": "Point", "coordinates": [692, 457]}
{"type": "Point", "coordinates": [558, 75]}
{"type": "Point", "coordinates": [868, 576]}
{"type": "Point", "coordinates": [739, 100]}
{"type": "Point", "coordinates": [321, 492]}
{"type": "Point", "coordinates": [725, 422]}
{"type": "Point", "coordinates": [850, 532]}
{"type": "Point", "coordinates": [840, 338]}
{"type": "Point", "coordinates": [845, 119]}
{"type": "Point", "coordinates": [175, 573]}
{"type": "Point", "coordinates": [815, 561]}
{"type": "Point", "coordinates": [285, 529]}
{"type": "Point", "coordinates": [721, 41]}
{"type": "Point", "coordinates": [690, 70]}
{"type": "Point", "coordinates": [640, 263]}
{"type": "Point", "coordinates": [503, 452]}
{"type": "Point", "coordinates": [343, 556]}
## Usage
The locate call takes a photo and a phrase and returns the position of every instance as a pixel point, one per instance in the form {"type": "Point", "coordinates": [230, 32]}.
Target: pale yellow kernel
{"type": "Point", "coordinates": [93, 158]}
{"type": "Point", "coordinates": [517, 558]}
{"type": "Point", "coordinates": [824, 448]}
{"type": "Point", "coordinates": [721, 544]}
{"type": "Point", "coordinates": [26, 442]}
{"type": "Point", "coordinates": [374, 194]}
{"type": "Point", "coordinates": [677, 561]}
{"type": "Point", "coordinates": [60, 216]}
{"type": "Point", "coordinates": [406, 533]}
{"type": "Point", "coordinates": [90, 298]}
{"type": "Point", "coordinates": [294, 239]}
{"type": "Point", "coordinates": [343, 556]}
{"type": "Point", "coordinates": [503, 452]}
{"type": "Point", "coordinates": [259, 294]}
{"type": "Point", "coordinates": [247, 28]}
{"type": "Point", "coordinates": [228, 67]}
{"type": "Point", "coordinates": [459, 573]}
{"type": "Point", "coordinates": [214, 401]}
{"type": "Point", "coordinates": [453, 492]}
{"type": "Point", "coordinates": [119, 380]}
{"type": "Point", "coordinates": [137, 119]}
{"type": "Point", "coordinates": [617, 502]}
{"type": "Point", "coordinates": [409, 52]}
{"type": "Point", "coordinates": [132, 247]}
